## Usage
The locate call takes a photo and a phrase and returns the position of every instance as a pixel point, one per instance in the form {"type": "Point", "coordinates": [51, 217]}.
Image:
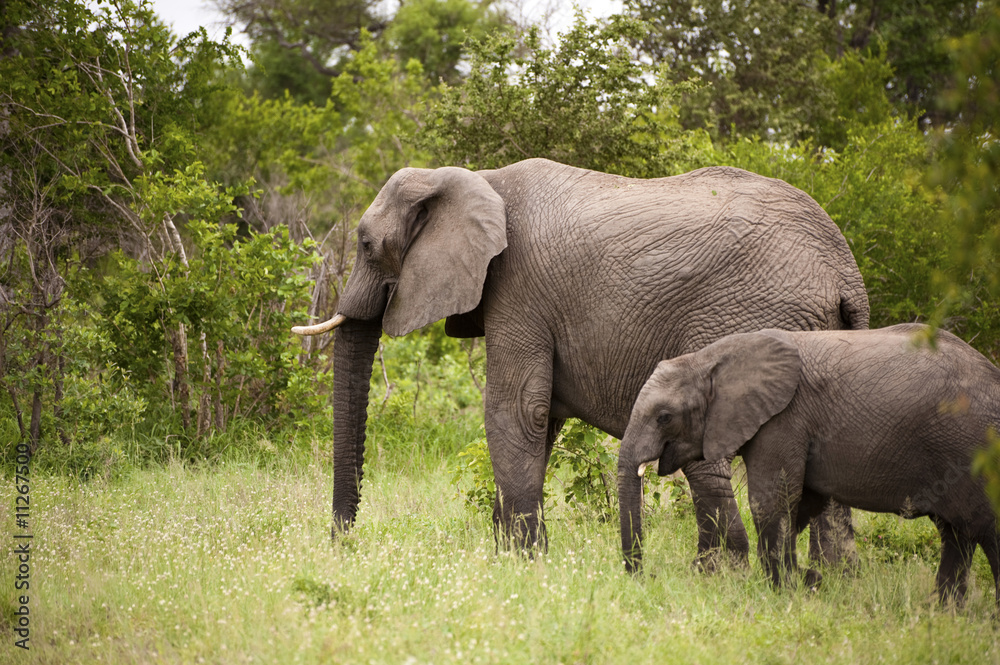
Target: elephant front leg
{"type": "Point", "coordinates": [720, 526]}
{"type": "Point", "coordinates": [776, 545]}
{"type": "Point", "coordinates": [518, 432]}
{"type": "Point", "coordinates": [775, 493]}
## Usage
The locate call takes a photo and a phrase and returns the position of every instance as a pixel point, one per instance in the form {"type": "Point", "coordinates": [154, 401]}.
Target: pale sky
{"type": "Point", "coordinates": [187, 15]}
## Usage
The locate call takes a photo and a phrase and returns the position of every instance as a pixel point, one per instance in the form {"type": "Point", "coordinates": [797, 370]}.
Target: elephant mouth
{"type": "Point", "coordinates": [651, 464]}
{"type": "Point", "coordinates": [668, 462]}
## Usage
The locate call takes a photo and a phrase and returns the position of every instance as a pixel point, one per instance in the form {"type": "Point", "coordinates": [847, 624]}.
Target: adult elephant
{"type": "Point", "coordinates": [582, 282]}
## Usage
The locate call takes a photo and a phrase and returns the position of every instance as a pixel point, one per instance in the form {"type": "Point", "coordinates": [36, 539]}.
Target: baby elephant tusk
{"type": "Point", "coordinates": [654, 465]}
{"type": "Point", "coordinates": [320, 328]}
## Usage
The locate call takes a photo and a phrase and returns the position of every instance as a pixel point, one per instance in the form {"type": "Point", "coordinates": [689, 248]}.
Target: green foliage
{"type": "Point", "coordinates": [766, 62]}
{"type": "Point", "coordinates": [243, 294]}
{"type": "Point", "coordinates": [587, 102]}
{"type": "Point", "coordinates": [891, 538]}
{"type": "Point", "coordinates": [98, 409]}
{"type": "Point", "coordinates": [965, 176]}
{"type": "Point", "coordinates": [761, 62]}
{"type": "Point", "coordinates": [588, 460]}
{"type": "Point", "coordinates": [857, 86]}
{"type": "Point", "coordinates": [915, 35]}
{"type": "Point", "coordinates": [315, 593]}
{"type": "Point", "coordinates": [474, 467]}
{"type": "Point", "coordinates": [424, 402]}
{"type": "Point", "coordinates": [279, 72]}
{"type": "Point", "coordinates": [380, 100]}
{"type": "Point", "coordinates": [299, 45]}
{"type": "Point", "coordinates": [434, 33]}
{"type": "Point", "coordinates": [316, 168]}
{"type": "Point", "coordinates": [104, 110]}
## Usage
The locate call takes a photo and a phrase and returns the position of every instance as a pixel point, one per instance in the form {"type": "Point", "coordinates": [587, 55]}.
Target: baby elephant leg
{"type": "Point", "coordinates": [776, 546]}
{"type": "Point", "coordinates": [775, 482]}
{"type": "Point", "coordinates": [956, 557]}
{"type": "Point", "coordinates": [775, 514]}
{"type": "Point", "coordinates": [813, 507]}
{"type": "Point", "coordinates": [990, 542]}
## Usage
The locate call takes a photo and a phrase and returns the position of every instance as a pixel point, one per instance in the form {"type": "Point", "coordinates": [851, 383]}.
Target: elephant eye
{"type": "Point", "coordinates": [663, 418]}
{"type": "Point", "coordinates": [366, 245]}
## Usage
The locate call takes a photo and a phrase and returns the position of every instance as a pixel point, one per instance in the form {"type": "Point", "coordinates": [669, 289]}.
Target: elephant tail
{"type": "Point", "coordinates": [854, 309]}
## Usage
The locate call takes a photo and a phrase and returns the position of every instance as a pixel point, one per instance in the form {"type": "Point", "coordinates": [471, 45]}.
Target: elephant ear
{"type": "Point", "coordinates": [753, 378]}
{"type": "Point", "coordinates": [457, 224]}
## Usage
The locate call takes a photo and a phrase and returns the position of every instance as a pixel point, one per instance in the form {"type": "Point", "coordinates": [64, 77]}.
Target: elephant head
{"type": "Point", "coordinates": [703, 405]}
{"type": "Point", "coordinates": [424, 246]}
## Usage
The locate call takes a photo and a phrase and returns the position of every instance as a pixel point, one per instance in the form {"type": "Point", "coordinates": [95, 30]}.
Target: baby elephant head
{"type": "Point", "coordinates": [703, 405]}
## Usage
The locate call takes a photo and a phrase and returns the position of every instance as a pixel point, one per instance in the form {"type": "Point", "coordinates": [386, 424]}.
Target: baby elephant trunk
{"type": "Point", "coordinates": [630, 502]}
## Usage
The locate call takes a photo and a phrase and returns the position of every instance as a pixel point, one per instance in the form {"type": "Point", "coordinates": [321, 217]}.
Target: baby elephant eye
{"type": "Point", "coordinates": [663, 418]}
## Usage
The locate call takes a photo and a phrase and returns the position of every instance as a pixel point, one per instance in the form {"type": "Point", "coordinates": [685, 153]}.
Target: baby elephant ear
{"type": "Point", "coordinates": [461, 224]}
{"type": "Point", "coordinates": [754, 377]}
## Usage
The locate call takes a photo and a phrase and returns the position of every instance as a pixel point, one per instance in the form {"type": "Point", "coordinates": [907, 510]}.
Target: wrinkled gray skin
{"type": "Point", "coordinates": [581, 283]}
{"type": "Point", "coordinates": [867, 418]}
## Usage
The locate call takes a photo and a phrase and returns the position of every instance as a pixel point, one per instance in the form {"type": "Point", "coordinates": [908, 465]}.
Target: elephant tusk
{"type": "Point", "coordinates": [653, 464]}
{"type": "Point", "coordinates": [320, 328]}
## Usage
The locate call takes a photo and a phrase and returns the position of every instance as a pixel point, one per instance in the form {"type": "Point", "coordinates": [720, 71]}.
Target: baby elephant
{"type": "Point", "coordinates": [869, 418]}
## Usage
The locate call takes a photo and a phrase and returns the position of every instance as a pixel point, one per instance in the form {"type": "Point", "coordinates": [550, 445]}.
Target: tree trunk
{"type": "Point", "coordinates": [178, 339]}
{"type": "Point", "coordinates": [178, 342]}
{"type": "Point", "coordinates": [57, 388]}
{"type": "Point", "coordinates": [205, 398]}
{"type": "Point", "coordinates": [35, 426]}
{"type": "Point", "coordinates": [10, 389]}
{"type": "Point", "coordinates": [35, 429]}
{"type": "Point", "coordinates": [220, 360]}
{"type": "Point", "coordinates": [354, 354]}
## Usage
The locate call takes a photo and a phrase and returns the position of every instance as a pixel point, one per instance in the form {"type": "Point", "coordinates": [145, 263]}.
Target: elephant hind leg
{"type": "Point", "coordinates": [831, 533]}
{"type": "Point", "coordinates": [990, 543]}
{"type": "Point", "coordinates": [811, 507]}
{"type": "Point", "coordinates": [956, 558]}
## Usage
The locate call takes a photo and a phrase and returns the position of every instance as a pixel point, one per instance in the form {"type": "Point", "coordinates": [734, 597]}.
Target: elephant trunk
{"type": "Point", "coordinates": [354, 352]}
{"type": "Point", "coordinates": [630, 502]}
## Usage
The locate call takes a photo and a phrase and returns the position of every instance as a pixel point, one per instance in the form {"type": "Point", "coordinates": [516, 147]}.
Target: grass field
{"type": "Point", "coordinates": [234, 564]}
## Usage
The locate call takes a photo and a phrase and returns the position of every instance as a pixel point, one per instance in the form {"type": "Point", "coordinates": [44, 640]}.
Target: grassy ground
{"type": "Point", "coordinates": [234, 564]}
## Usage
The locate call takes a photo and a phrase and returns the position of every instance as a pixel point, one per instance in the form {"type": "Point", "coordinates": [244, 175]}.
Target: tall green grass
{"type": "Point", "coordinates": [232, 563]}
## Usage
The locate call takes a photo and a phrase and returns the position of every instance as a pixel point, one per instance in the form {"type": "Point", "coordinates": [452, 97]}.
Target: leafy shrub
{"type": "Point", "coordinates": [585, 460]}
{"type": "Point", "coordinates": [475, 468]}
{"type": "Point", "coordinates": [586, 101]}
{"type": "Point", "coordinates": [891, 538]}
{"type": "Point", "coordinates": [238, 297]}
